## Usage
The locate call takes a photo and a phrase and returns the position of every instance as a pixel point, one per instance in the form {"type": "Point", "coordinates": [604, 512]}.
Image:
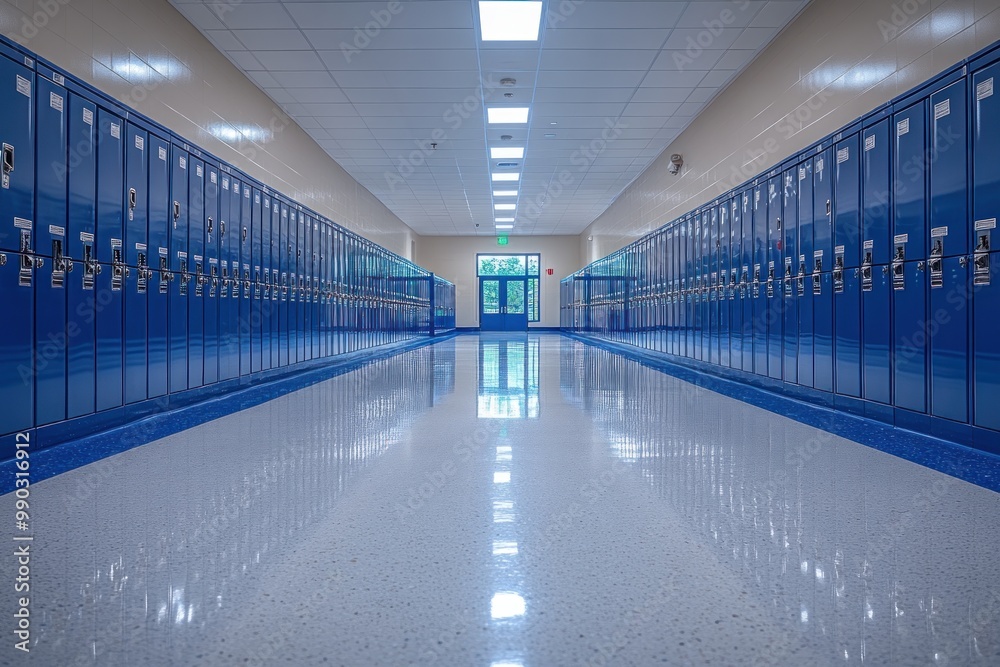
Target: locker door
{"type": "Point", "coordinates": [180, 269]}
{"type": "Point", "coordinates": [50, 245]}
{"type": "Point", "coordinates": [136, 262]}
{"type": "Point", "coordinates": [196, 251]}
{"type": "Point", "coordinates": [823, 331]}
{"type": "Point", "coordinates": [274, 255]}
{"type": "Point", "coordinates": [790, 248]}
{"type": "Point", "coordinates": [846, 263]}
{"type": "Point", "coordinates": [724, 269]}
{"type": "Point", "coordinates": [876, 289]}
{"type": "Point", "coordinates": [735, 280]}
{"type": "Point", "coordinates": [695, 328]}
{"type": "Point", "coordinates": [775, 273]}
{"type": "Point", "coordinates": [876, 192]}
{"type": "Point", "coordinates": [82, 179]}
{"type": "Point", "coordinates": [233, 226]}
{"type": "Point", "coordinates": [322, 313]}
{"type": "Point", "coordinates": [948, 272]}
{"type": "Point", "coordinates": [212, 282]}
{"type": "Point", "coordinates": [17, 270]}
{"type": "Point", "coordinates": [761, 195]}
{"type": "Point", "coordinates": [226, 319]}
{"type": "Point", "coordinates": [159, 261]}
{"type": "Point", "coordinates": [259, 316]}
{"type": "Point", "coordinates": [249, 311]}
{"type": "Point", "coordinates": [288, 278]}
{"type": "Point", "coordinates": [314, 328]}
{"type": "Point", "coordinates": [822, 218]}
{"type": "Point", "coordinates": [804, 294]}
{"type": "Point", "coordinates": [986, 263]}
{"type": "Point", "coordinates": [909, 335]}
{"type": "Point", "coordinates": [302, 253]}
{"type": "Point", "coordinates": [110, 252]}
{"type": "Point", "coordinates": [910, 175]}
{"type": "Point", "coordinates": [747, 214]}
{"type": "Point", "coordinates": [948, 335]}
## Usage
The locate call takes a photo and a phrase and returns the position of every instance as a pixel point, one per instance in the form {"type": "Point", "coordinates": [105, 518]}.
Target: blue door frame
{"type": "Point", "coordinates": [504, 314]}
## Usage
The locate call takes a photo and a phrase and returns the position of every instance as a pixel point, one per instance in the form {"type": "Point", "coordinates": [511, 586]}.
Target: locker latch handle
{"type": "Point", "coordinates": [244, 234]}
{"type": "Point", "coordinates": [8, 164]}
{"type": "Point", "coordinates": [210, 225]}
{"type": "Point", "coordinates": [132, 198]}
{"type": "Point", "coordinates": [177, 211]}
{"type": "Point", "coordinates": [829, 210]}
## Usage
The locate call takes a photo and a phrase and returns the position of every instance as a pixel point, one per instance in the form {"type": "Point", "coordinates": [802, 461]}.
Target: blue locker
{"type": "Point", "coordinates": [910, 184]}
{"type": "Point", "coordinates": [196, 253]}
{"type": "Point", "coordinates": [82, 180]}
{"type": "Point", "coordinates": [302, 254]}
{"type": "Point", "coordinates": [227, 322]}
{"type": "Point", "coordinates": [180, 271]}
{"type": "Point", "coordinates": [823, 343]}
{"type": "Point", "coordinates": [746, 316]}
{"type": "Point", "coordinates": [822, 218]}
{"type": "Point", "coordinates": [876, 195]}
{"type": "Point", "coordinates": [699, 260]}
{"type": "Point", "coordinates": [846, 262]}
{"type": "Point", "coordinates": [260, 317]}
{"type": "Point", "coordinates": [805, 208]}
{"type": "Point", "coordinates": [876, 291]}
{"type": "Point", "coordinates": [111, 254]}
{"type": "Point", "coordinates": [323, 272]}
{"type": "Point", "coordinates": [789, 250]}
{"type": "Point", "coordinates": [909, 351]}
{"type": "Point", "coordinates": [249, 313]}
{"type": "Point", "coordinates": [213, 286]}
{"type": "Point", "coordinates": [736, 279]}
{"type": "Point", "coordinates": [277, 306]}
{"type": "Point", "coordinates": [948, 272]}
{"type": "Point", "coordinates": [18, 261]}
{"type": "Point", "coordinates": [804, 272]}
{"type": "Point", "coordinates": [725, 286]}
{"type": "Point", "coordinates": [775, 273]}
{"type": "Point", "coordinates": [159, 261]}
{"type": "Point", "coordinates": [230, 229]}
{"type": "Point", "coordinates": [51, 334]}
{"type": "Point", "coordinates": [286, 323]}
{"type": "Point", "coordinates": [136, 262]}
{"type": "Point", "coordinates": [986, 262]}
{"type": "Point", "coordinates": [712, 271]}
{"type": "Point", "coordinates": [761, 225]}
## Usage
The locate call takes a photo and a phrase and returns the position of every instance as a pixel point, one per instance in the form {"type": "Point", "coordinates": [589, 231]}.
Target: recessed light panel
{"type": "Point", "coordinates": [507, 114]}
{"type": "Point", "coordinates": [505, 207]}
{"type": "Point", "coordinates": [505, 193]}
{"type": "Point", "coordinates": [506, 21]}
{"type": "Point", "coordinates": [506, 152]}
{"type": "Point", "coordinates": [506, 176]}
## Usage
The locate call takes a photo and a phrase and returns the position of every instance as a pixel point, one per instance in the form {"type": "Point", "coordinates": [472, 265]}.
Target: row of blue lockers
{"type": "Point", "coordinates": [134, 266]}
{"type": "Point", "coordinates": [861, 272]}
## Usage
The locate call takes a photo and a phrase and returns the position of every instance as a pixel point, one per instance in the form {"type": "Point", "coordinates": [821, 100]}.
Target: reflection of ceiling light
{"type": "Point", "coordinates": [505, 193]}
{"type": "Point", "coordinates": [550, 136]}
{"type": "Point", "coordinates": [506, 176]}
{"type": "Point", "coordinates": [507, 152]}
{"type": "Point", "coordinates": [232, 133]}
{"type": "Point", "coordinates": [507, 114]}
{"type": "Point", "coordinates": [501, 477]}
{"type": "Point", "coordinates": [505, 207]}
{"type": "Point", "coordinates": [509, 21]}
{"type": "Point", "coordinates": [506, 605]}
{"type": "Point", "coordinates": [501, 548]}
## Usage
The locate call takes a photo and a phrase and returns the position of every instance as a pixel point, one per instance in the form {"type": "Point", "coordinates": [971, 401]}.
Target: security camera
{"type": "Point", "coordinates": [676, 162]}
{"type": "Point", "coordinates": [477, 224]}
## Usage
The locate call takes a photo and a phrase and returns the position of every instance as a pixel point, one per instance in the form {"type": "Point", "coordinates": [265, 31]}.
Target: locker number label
{"type": "Point", "coordinates": [23, 86]}
{"type": "Point", "coordinates": [21, 223]}
{"type": "Point", "coordinates": [843, 155]}
{"type": "Point", "coordinates": [56, 230]}
{"type": "Point", "coordinates": [163, 154]}
{"type": "Point", "coordinates": [140, 143]}
{"type": "Point", "coordinates": [901, 238]}
{"type": "Point", "coordinates": [56, 101]}
{"type": "Point", "coordinates": [88, 116]}
{"type": "Point", "coordinates": [939, 232]}
{"type": "Point", "coordinates": [942, 109]}
{"type": "Point", "coordinates": [183, 163]}
{"type": "Point", "coordinates": [903, 127]}
{"type": "Point", "coordinates": [868, 245]}
{"type": "Point", "coordinates": [870, 143]}
{"type": "Point", "coordinates": [984, 89]}
{"type": "Point", "coordinates": [983, 225]}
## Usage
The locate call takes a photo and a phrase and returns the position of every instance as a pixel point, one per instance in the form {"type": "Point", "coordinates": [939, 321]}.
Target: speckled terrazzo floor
{"type": "Point", "coordinates": [503, 501]}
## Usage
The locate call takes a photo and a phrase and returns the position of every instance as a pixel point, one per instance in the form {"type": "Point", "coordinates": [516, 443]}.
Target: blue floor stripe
{"type": "Point", "coordinates": [61, 458]}
{"type": "Point", "coordinates": [965, 463]}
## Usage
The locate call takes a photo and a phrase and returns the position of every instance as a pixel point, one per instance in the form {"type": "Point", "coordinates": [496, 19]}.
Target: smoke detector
{"type": "Point", "coordinates": [505, 137]}
{"type": "Point", "coordinates": [507, 81]}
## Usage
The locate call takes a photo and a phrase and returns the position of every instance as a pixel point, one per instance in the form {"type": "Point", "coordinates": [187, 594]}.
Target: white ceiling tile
{"type": "Point", "coordinates": [711, 16]}
{"type": "Point", "coordinates": [286, 60]}
{"type": "Point", "coordinates": [605, 38]}
{"type": "Point", "coordinates": [571, 59]}
{"type": "Point", "coordinates": [777, 14]}
{"type": "Point", "coordinates": [755, 38]}
{"type": "Point", "coordinates": [261, 16]}
{"type": "Point", "coordinates": [224, 40]}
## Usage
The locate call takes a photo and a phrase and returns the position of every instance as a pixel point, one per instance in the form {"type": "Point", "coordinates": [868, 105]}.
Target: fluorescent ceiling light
{"type": "Point", "coordinates": [506, 176]}
{"type": "Point", "coordinates": [505, 226]}
{"type": "Point", "coordinates": [510, 21]}
{"type": "Point", "coordinates": [505, 193]}
{"type": "Point", "coordinates": [507, 114]}
{"type": "Point", "coordinates": [504, 220]}
{"type": "Point", "coordinates": [505, 207]}
{"type": "Point", "coordinates": [516, 153]}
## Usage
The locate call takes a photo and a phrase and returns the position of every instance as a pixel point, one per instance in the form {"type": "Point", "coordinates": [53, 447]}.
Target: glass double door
{"type": "Point", "coordinates": [503, 304]}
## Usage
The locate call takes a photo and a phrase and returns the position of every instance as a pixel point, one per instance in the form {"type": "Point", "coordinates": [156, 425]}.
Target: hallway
{"type": "Point", "coordinates": [510, 501]}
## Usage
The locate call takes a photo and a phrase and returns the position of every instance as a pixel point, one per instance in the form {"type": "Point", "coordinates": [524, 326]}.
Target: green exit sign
{"type": "Point", "coordinates": [501, 240]}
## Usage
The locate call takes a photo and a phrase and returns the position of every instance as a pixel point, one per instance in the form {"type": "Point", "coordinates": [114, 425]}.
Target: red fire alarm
{"type": "Point", "coordinates": [549, 271]}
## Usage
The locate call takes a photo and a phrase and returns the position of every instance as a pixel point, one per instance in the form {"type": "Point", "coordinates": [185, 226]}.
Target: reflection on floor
{"type": "Point", "coordinates": [509, 500]}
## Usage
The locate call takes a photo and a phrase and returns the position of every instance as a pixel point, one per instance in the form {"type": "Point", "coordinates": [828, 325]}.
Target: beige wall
{"type": "Point", "coordinates": [838, 60]}
{"type": "Point", "coordinates": [454, 258]}
{"type": "Point", "coordinates": [144, 53]}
